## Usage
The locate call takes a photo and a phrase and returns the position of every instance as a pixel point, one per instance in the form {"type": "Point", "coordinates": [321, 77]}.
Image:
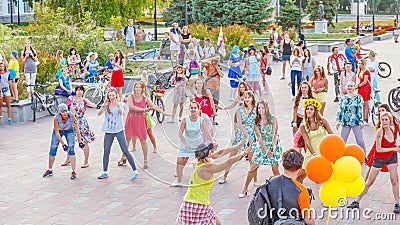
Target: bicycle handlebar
{"type": "Point", "coordinates": [35, 85]}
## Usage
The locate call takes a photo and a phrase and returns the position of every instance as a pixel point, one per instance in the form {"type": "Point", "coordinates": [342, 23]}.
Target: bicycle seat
{"type": "Point", "coordinates": [377, 90]}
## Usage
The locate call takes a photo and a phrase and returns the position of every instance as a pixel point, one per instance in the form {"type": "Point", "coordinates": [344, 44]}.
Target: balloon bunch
{"type": "Point", "coordinates": [338, 168]}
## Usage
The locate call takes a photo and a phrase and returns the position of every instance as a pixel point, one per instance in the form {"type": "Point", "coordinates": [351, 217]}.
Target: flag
{"type": "Point", "coordinates": [221, 44]}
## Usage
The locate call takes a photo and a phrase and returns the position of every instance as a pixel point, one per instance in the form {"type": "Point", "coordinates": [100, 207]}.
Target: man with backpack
{"type": "Point", "coordinates": [130, 32]}
{"type": "Point", "coordinates": [282, 200]}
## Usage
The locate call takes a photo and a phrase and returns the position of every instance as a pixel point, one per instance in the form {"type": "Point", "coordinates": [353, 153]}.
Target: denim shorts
{"type": "Point", "coordinates": [69, 135]}
{"type": "Point", "coordinates": [6, 91]}
{"type": "Point", "coordinates": [285, 57]}
{"type": "Point", "coordinates": [379, 162]}
{"type": "Point", "coordinates": [130, 43]}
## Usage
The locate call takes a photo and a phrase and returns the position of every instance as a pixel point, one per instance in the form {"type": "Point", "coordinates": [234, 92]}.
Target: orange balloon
{"type": "Point", "coordinates": [332, 147]}
{"type": "Point", "coordinates": [319, 169]}
{"type": "Point", "coordinates": [355, 151]}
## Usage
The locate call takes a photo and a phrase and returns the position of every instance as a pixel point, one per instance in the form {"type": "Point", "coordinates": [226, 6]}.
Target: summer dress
{"type": "Point", "coordinates": [87, 134]}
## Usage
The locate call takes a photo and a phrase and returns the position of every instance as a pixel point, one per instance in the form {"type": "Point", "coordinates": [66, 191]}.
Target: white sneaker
{"type": "Point", "coordinates": [176, 184]}
{"type": "Point", "coordinates": [171, 120]}
{"type": "Point", "coordinates": [365, 123]}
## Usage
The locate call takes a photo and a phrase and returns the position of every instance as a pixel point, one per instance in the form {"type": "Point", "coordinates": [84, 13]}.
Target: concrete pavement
{"type": "Point", "coordinates": [27, 198]}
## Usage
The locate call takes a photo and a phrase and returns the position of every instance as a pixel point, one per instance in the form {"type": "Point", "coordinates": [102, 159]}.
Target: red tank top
{"type": "Point", "coordinates": [205, 104]}
{"type": "Point", "coordinates": [386, 144]}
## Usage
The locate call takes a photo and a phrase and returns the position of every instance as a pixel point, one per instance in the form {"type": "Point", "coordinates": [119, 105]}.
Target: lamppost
{"type": "Point", "coordinates": [186, 14]}
{"type": "Point", "coordinates": [19, 17]}
{"type": "Point", "coordinates": [155, 20]}
{"type": "Point", "coordinates": [337, 9]}
{"type": "Point", "coordinates": [11, 13]}
{"type": "Point", "coordinates": [373, 17]}
{"type": "Point", "coordinates": [299, 18]}
{"type": "Point", "coordinates": [358, 17]}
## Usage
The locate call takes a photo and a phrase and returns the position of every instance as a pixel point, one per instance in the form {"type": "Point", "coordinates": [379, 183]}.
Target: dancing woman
{"type": "Point", "coordinates": [267, 150]}
{"type": "Point", "coordinates": [313, 129]}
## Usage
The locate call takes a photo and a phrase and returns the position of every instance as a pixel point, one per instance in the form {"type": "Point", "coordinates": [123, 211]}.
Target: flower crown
{"type": "Point", "coordinates": [312, 102]}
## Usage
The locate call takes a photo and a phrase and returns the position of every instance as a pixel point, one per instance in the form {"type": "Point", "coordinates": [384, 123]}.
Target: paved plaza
{"type": "Point", "coordinates": [27, 198]}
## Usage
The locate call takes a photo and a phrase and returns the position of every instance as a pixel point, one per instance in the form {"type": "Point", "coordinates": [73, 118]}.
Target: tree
{"type": "Point", "coordinates": [329, 8]}
{"type": "Point", "coordinates": [176, 12]}
{"type": "Point", "coordinates": [249, 13]}
{"type": "Point", "coordinates": [289, 15]}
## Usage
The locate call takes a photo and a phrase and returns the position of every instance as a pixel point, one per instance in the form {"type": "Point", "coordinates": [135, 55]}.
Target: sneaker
{"type": "Point", "coordinates": [171, 120]}
{"type": "Point", "coordinates": [9, 121]}
{"type": "Point", "coordinates": [336, 99]}
{"type": "Point", "coordinates": [222, 181]}
{"type": "Point", "coordinates": [366, 123]}
{"type": "Point", "coordinates": [73, 175]}
{"type": "Point", "coordinates": [134, 176]}
{"type": "Point", "coordinates": [180, 119]}
{"type": "Point", "coordinates": [282, 78]}
{"type": "Point", "coordinates": [354, 205]}
{"type": "Point", "coordinates": [176, 184]}
{"type": "Point", "coordinates": [103, 176]}
{"type": "Point", "coordinates": [48, 173]}
{"type": "Point", "coordinates": [396, 208]}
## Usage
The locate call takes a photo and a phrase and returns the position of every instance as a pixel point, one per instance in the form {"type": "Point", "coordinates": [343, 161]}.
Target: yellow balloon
{"type": "Point", "coordinates": [333, 193]}
{"type": "Point", "coordinates": [355, 188]}
{"type": "Point", "coordinates": [346, 169]}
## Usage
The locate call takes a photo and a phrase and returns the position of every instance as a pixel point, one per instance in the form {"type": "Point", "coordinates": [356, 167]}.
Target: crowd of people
{"type": "Point", "coordinates": [255, 132]}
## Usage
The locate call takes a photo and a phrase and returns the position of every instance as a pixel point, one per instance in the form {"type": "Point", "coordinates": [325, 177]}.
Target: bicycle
{"type": "Point", "coordinates": [96, 94]}
{"type": "Point", "coordinates": [156, 94]}
{"type": "Point", "coordinates": [373, 107]}
{"type": "Point", "coordinates": [384, 69]}
{"type": "Point", "coordinates": [142, 55]}
{"type": "Point", "coordinates": [90, 78]}
{"type": "Point", "coordinates": [394, 98]}
{"type": "Point", "coordinates": [47, 100]}
{"type": "Point", "coordinates": [154, 75]}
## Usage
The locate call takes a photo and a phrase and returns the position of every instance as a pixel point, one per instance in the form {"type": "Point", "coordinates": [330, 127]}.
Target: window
{"type": "Point", "coordinates": [27, 8]}
{"type": "Point", "coordinates": [9, 8]}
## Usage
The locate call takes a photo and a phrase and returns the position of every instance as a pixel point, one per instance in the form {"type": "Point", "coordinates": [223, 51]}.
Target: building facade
{"type": "Point", "coordinates": [25, 11]}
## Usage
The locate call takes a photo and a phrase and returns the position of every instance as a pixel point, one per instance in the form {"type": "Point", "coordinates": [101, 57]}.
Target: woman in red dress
{"type": "Point", "coordinates": [364, 87]}
{"type": "Point", "coordinates": [136, 124]}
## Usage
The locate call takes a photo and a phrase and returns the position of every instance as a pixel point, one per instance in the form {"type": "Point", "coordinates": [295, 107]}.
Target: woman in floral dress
{"type": "Point", "coordinates": [78, 106]}
{"type": "Point", "coordinates": [245, 127]}
{"type": "Point", "coordinates": [349, 115]}
{"type": "Point", "coordinates": [267, 150]}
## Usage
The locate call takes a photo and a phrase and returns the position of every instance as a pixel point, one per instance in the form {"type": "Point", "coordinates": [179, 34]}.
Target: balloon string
{"type": "Point", "coordinates": [329, 215]}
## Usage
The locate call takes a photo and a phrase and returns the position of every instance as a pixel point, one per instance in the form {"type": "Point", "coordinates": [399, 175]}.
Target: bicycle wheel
{"type": "Point", "coordinates": [160, 104]}
{"type": "Point", "coordinates": [94, 94]}
{"type": "Point", "coordinates": [153, 98]}
{"type": "Point", "coordinates": [51, 104]}
{"type": "Point", "coordinates": [34, 103]}
{"type": "Point", "coordinates": [384, 69]}
{"type": "Point", "coordinates": [374, 113]}
{"type": "Point", "coordinates": [394, 99]}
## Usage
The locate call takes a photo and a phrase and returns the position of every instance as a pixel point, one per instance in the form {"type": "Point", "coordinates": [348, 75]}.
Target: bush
{"type": "Point", "coordinates": [379, 32]}
{"type": "Point", "coordinates": [199, 31]}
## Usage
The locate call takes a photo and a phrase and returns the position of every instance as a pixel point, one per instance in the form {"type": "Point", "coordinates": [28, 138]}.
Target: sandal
{"type": "Point", "coordinates": [145, 164]}
{"type": "Point", "coordinates": [66, 163]}
{"type": "Point", "coordinates": [85, 166]}
{"type": "Point", "coordinates": [122, 162]}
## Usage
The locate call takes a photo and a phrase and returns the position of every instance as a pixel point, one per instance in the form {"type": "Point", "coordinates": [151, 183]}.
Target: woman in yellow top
{"type": "Point", "coordinates": [313, 128]}
{"type": "Point", "coordinates": [13, 64]}
{"type": "Point", "coordinates": [195, 208]}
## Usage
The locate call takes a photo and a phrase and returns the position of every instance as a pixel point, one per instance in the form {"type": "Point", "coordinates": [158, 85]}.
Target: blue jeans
{"type": "Point", "coordinates": [353, 66]}
{"type": "Point", "coordinates": [108, 140]}
{"type": "Point", "coordinates": [69, 135]}
{"type": "Point", "coordinates": [67, 94]}
{"type": "Point", "coordinates": [294, 74]}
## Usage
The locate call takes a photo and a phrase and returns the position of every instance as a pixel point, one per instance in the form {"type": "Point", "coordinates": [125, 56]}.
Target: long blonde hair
{"type": "Point", "coordinates": [112, 89]}
{"type": "Point", "coordinates": [318, 119]}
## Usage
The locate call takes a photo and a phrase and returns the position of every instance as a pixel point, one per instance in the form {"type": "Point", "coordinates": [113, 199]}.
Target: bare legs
{"type": "Point", "coordinates": [283, 69]}
{"type": "Point", "coordinates": [365, 111]}
{"type": "Point", "coordinates": [322, 108]}
{"type": "Point", "coordinates": [180, 164]}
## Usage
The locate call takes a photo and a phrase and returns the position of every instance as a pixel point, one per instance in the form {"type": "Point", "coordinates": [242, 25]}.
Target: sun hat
{"type": "Point", "coordinates": [62, 107]}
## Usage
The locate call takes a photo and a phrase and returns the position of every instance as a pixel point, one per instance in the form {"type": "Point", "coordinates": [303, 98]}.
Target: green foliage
{"type": "Point", "coordinates": [199, 31]}
{"type": "Point", "coordinates": [249, 13]}
{"type": "Point", "coordinates": [289, 15]}
{"type": "Point", "coordinates": [329, 9]}
{"type": "Point", "coordinates": [233, 35]}
{"type": "Point", "coordinates": [176, 12]}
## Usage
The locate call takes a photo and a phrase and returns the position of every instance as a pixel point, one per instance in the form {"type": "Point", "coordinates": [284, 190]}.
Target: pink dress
{"type": "Point", "coordinates": [136, 125]}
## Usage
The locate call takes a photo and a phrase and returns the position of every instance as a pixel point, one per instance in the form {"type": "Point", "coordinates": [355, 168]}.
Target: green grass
{"type": "Point", "coordinates": [351, 23]}
{"type": "Point", "coordinates": [134, 65]}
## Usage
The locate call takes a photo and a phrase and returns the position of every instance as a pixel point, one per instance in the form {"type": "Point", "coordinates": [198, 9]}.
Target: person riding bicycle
{"type": "Point", "coordinates": [337, 61]}
{"type": "Point", "coordinates": [91, 66]}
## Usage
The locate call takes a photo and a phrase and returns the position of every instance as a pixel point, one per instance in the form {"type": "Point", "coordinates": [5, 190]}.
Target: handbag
{"type": "Point", "coordinates": [269, 71]}
{"type": "Point", "coordinates": [58, 90]}
{"type": "Point", "coordinates": [37, 63]}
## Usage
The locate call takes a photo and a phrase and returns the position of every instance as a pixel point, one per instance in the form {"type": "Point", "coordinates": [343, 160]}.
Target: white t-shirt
{"type": "Point", "coordinates": [295, 65]}
{"type": "Point", "coordinates": [373, 65]}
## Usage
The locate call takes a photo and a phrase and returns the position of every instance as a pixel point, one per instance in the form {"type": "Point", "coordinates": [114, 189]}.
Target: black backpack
{"type": "Point", "coordinates": [259, 208]}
